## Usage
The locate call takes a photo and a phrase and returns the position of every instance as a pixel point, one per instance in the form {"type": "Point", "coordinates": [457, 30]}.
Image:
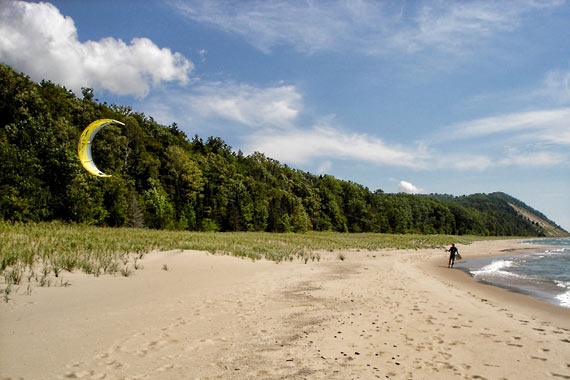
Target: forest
{"type": "Point", "coordinates": [162, 179]}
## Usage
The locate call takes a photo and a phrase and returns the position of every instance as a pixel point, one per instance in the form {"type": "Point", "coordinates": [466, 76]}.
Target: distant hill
{"type": "Point", "coordinates": [537, 218]}
{"type": "Point", "coordinates": [505, 214]}
{"type": "Point", "coordinates": [162, 179]}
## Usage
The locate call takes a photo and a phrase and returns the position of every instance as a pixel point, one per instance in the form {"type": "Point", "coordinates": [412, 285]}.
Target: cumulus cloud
{"type": "Point", "coordinates": [369, 27]}
{"type": "Point", "coordinates": [37, 39]}
{"type": "Point", "coordinates": [407, 187]}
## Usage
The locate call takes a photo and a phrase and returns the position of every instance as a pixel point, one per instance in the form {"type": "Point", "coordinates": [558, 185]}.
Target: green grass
{"type": "Point", "coordinates": [55, 247]}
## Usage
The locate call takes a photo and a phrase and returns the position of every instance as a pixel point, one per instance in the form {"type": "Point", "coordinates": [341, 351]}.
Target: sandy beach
{"type": "Point", "coordinates": [387, 314]}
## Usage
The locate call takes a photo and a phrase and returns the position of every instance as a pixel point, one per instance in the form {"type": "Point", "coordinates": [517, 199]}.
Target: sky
{"type": "Point", "coordinates": [404, 96]}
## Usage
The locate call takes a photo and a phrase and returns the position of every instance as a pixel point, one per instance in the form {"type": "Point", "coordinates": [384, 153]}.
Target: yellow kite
{"type": "Point", "coordinates": [84, 146]}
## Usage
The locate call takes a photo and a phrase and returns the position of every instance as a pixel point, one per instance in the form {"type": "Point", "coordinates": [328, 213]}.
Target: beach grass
{"type": "Point", "coordinates": [50, 248]}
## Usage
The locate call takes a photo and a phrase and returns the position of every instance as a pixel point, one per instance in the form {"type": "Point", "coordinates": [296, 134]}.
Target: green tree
{"type": "Point", "coordinates": [86, 200]}
{"type": "Point", "coordinates": [116, 201]}
{"type": "Point", "coordinates": [159, 210]}
{"type": "Point", "coordinates": [300, 221]}
{"type": "Point", "coordinates": [186, 182]}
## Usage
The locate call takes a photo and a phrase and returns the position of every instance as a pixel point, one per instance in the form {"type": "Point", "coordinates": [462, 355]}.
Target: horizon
{"type": "Point", "coordinates": [421, 98]}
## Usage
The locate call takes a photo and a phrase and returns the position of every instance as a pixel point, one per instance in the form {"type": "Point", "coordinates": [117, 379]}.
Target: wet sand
{"type": "Point", "coordinates": [386, 314]}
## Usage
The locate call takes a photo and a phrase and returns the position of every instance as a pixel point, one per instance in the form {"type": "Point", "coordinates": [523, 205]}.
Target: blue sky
{"type": "Point", "coordinates": [426, 97]}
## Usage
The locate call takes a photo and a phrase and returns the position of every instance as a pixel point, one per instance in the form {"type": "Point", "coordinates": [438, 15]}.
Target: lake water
{"type": "Point", "coordinates": [543, 273]}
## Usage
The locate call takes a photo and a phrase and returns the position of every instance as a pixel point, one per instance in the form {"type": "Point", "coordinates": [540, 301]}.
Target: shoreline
{"type": "Point", "coordinates": [499, 295]}
{"type": "Point", "coordinates": [398, 314]}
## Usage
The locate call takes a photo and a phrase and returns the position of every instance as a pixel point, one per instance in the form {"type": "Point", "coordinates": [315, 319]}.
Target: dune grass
{"type": "Point", "coordinates": [42, 251]}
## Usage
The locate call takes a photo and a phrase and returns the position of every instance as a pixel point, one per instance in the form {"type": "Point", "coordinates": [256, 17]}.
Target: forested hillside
{"type": "Point", "coordinates": [162, 179]}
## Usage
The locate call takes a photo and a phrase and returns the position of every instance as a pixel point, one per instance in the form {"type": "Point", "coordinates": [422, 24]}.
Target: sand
{"type": "Point", "coordinates": [387, 314]}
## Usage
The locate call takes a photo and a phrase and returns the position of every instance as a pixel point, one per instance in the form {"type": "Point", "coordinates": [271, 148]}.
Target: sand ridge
{"type": "Point", "coordinates": [386, 314]}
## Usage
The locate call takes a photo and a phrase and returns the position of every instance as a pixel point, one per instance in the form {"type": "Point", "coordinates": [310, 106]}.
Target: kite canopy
{"type": "Point", "coordinates": [84, 146]}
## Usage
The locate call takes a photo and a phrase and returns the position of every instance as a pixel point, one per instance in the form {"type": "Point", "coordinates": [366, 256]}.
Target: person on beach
{"type": "Point", "coordinates": [452, 252]}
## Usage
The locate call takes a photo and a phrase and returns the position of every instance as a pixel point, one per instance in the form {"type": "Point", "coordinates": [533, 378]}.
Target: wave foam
{"type": "Point", "coordinates": [495, 269]}
{"type": "Point", "coordinates": [562, 284]}
{"type": "Point", "coordinates": [564, 299]}
{"type": "Point", "coordinates": [555, 251]}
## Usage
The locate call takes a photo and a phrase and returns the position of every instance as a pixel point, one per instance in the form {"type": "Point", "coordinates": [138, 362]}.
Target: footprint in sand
{"type": "Point", "coordinates": [559, 375]}
{"type": "Point", "coordinates": [113, 364]}
{"type": "Point", "coordinates": [165, 367]}
{"type": "Point", "coordinates": [445, 355]}
{"type": "Point", "coordinates": [79, 375]}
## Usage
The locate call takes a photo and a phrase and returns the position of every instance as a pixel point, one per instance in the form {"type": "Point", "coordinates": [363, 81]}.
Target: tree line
{"type": "Point", "coordinates": [162, 179]}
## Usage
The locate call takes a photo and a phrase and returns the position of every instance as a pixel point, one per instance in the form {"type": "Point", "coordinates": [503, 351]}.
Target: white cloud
{"type": "Point", "coordinates": [265, 24]}
{"type": "Point", "coordinates": [553, 89]}
{"type": "Point", "coordinates": [524, 156]}
{"type": "Point", "coordinates": [37, 39]}
{"type": "Point", "coordinates": [407, 187]}
{"type": "Point", "coordinates": [273, 120]}
{"type": "Point", "coordinates": [466, 162]}
{"type": "Point", "coordinates": [253, 107]}
{"type": "Point", "coordinates": [248, 105]}
{"type": "Point", "coordinates": [533, 159]}
{"type": "Point", "coordinates": [300, 146]}
{"type": "Point", "coordinates": [542, 125]}
{"type": "Point", "coordinates": [370, 27]}
{"type": "Point", "coordinates": [269, 120]}
{"type": "Point", "coordinates": [537, 138]}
